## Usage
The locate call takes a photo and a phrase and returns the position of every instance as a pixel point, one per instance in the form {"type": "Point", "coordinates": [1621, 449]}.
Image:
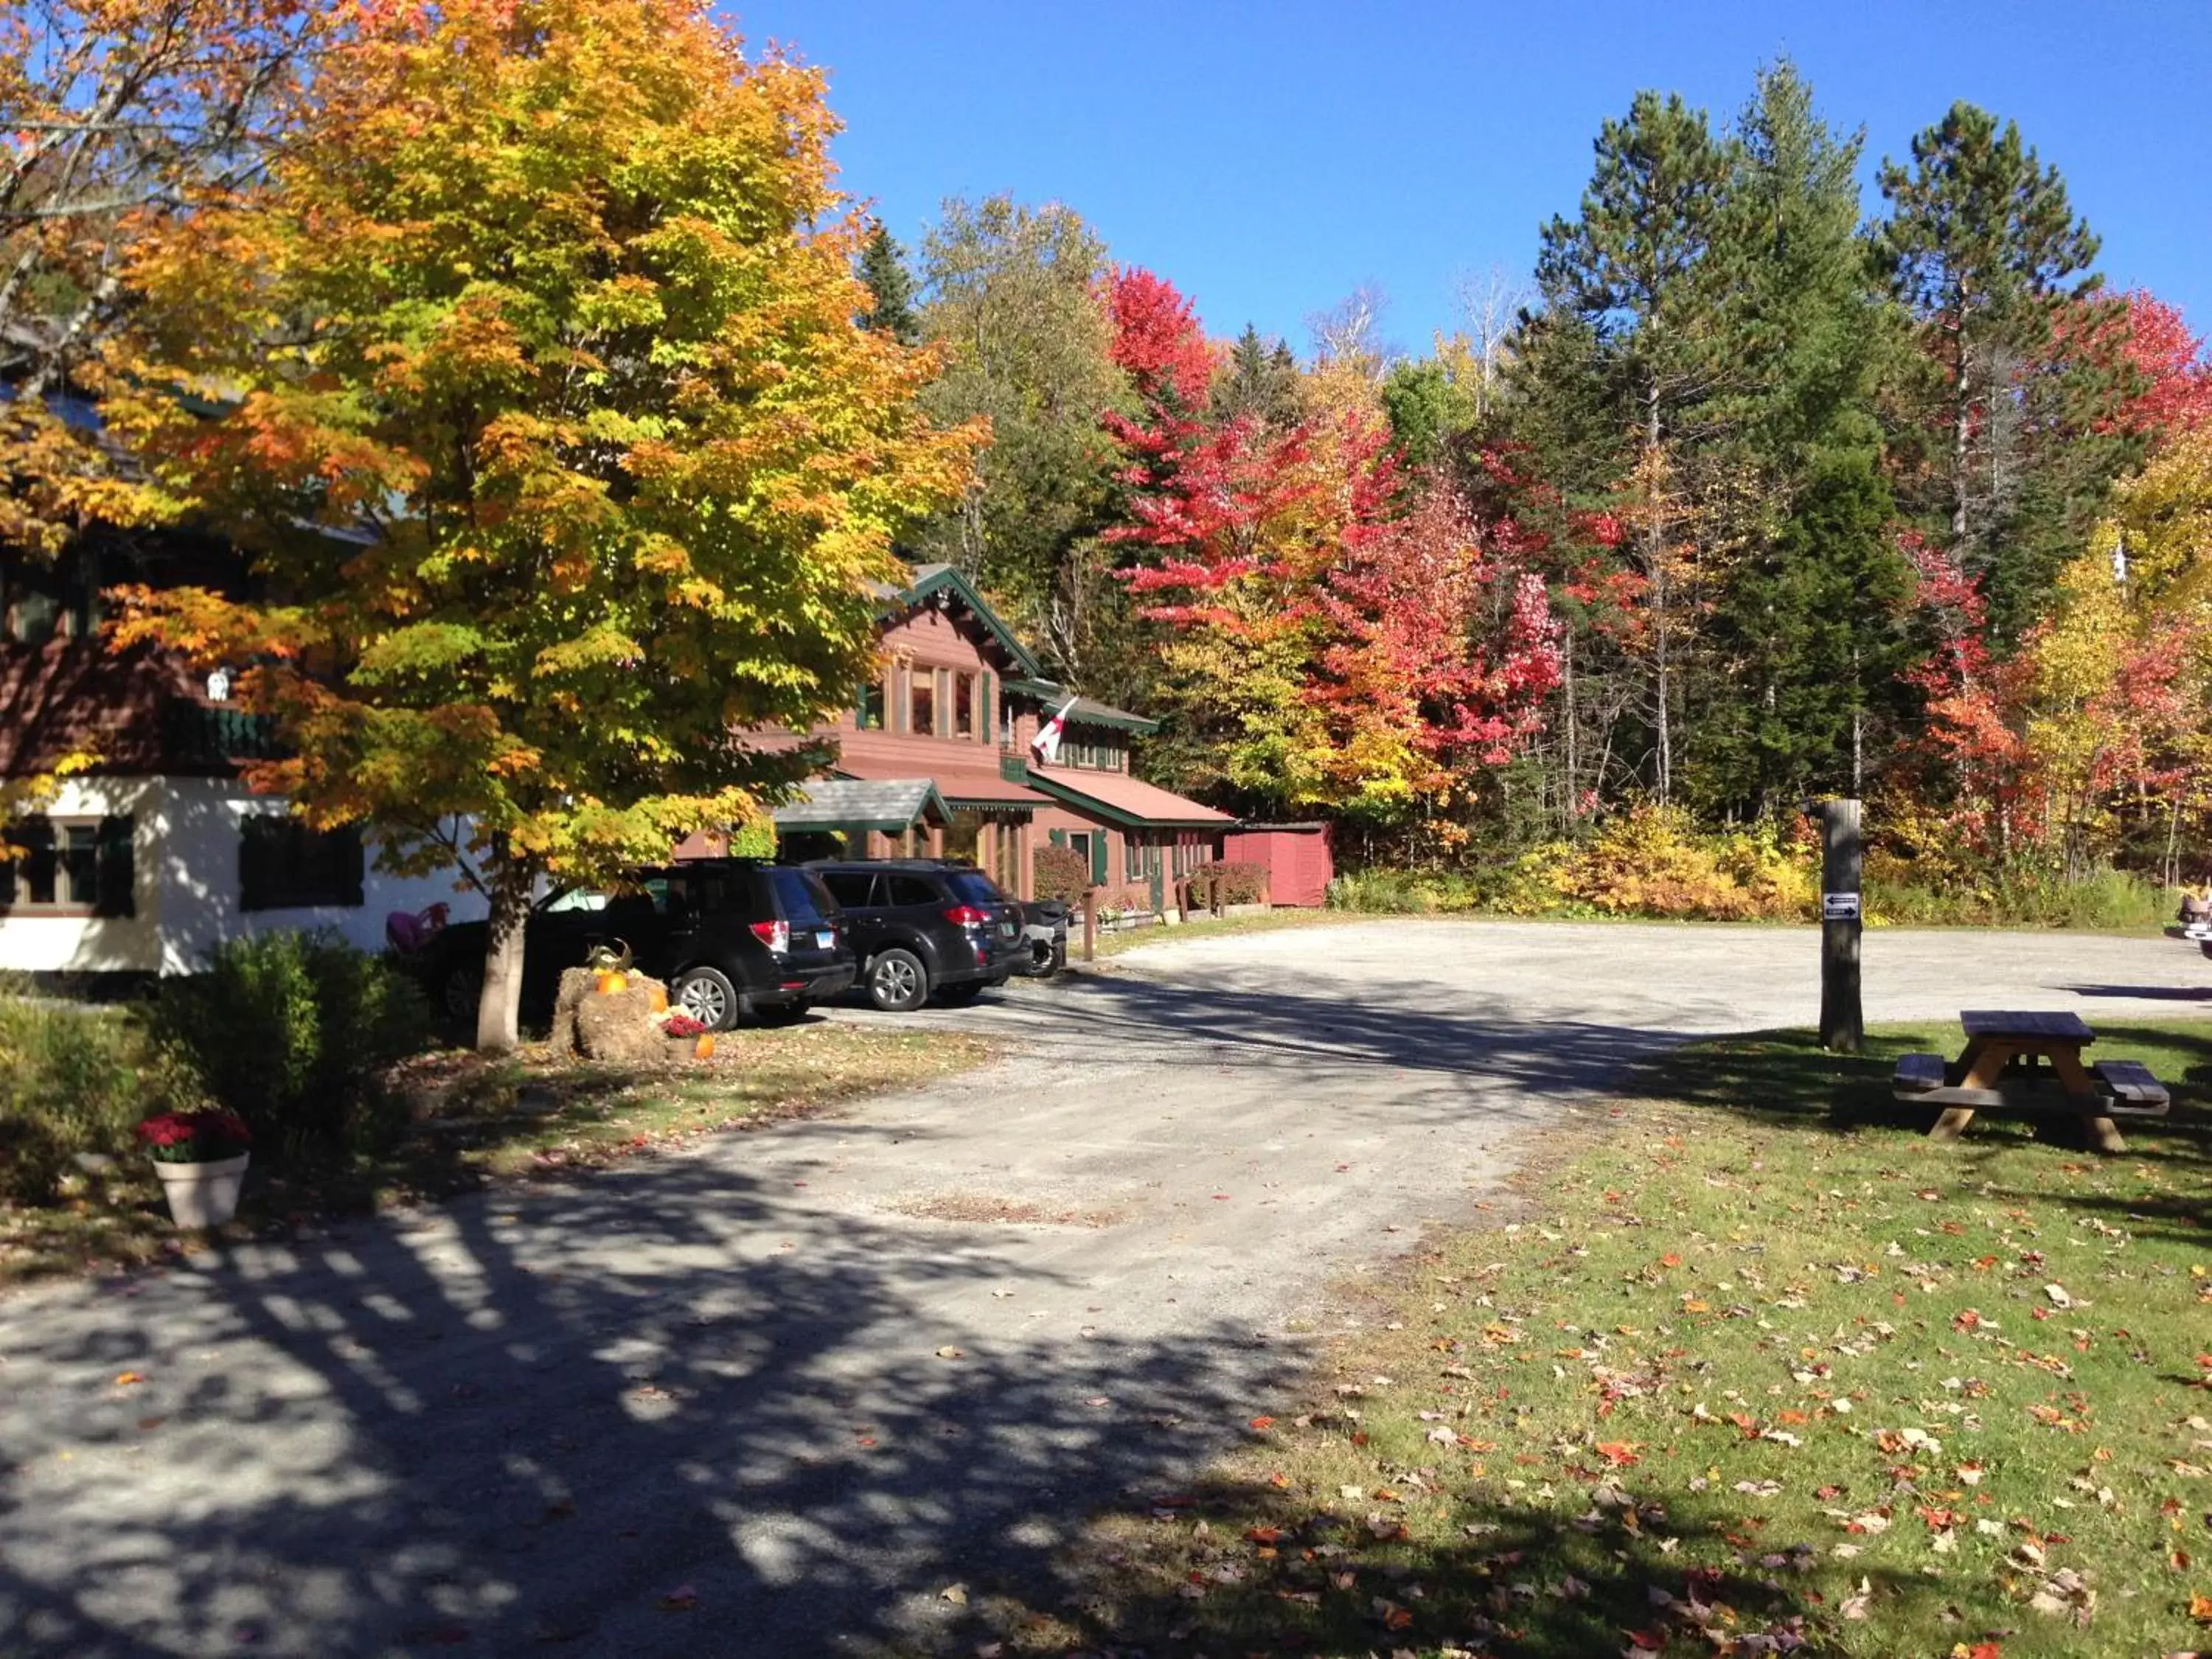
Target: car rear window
{"type": "Point", "coordinates": [804, 901]}
{"type": "Point", "coordinates": [712, 893]}
{"type": "Point", "coordinates": [974, 887]}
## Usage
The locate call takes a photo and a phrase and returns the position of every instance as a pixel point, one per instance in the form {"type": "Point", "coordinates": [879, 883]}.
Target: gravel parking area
{"type": "Point", "coordinates": [778, 1393]}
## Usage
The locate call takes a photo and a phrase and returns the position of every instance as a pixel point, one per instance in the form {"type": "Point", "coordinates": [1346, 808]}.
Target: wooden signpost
{"type": "Point", "coordinates": [1843, 1025]}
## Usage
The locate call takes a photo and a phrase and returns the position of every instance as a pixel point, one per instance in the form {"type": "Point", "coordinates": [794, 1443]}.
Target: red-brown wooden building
{"type": "Point", "coordinates": [956, 704]}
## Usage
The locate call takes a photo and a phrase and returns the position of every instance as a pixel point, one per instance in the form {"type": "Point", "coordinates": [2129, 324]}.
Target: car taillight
{"type": "Point", "coordinates": [966, 915]}
{"type": "Point", "coordinates": [776, 935]}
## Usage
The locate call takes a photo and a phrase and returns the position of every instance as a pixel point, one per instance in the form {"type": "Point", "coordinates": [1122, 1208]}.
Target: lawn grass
{"type": "Point", "coordinates": [1748, 1366]}
{"type": "Point", "coordinates": [1116, 943]}
{"type": "Point", "coordinates": [479, 1120]}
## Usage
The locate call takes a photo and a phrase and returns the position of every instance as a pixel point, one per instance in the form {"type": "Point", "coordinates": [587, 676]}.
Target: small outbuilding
{"type": "Point", "coordinates": [1298, 857]}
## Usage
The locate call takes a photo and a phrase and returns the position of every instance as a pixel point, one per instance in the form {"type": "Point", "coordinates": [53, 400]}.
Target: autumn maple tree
{"type": "Point", "coordinates": [115, 116]}
{"type": "Point", "coordinates": [529, 377]}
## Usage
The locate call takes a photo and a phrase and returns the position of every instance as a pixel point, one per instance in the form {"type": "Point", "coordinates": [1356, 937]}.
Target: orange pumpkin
{"type": "Point", "coordinates": [659, 1000]}
{"type": "Point", "coordinates": [704, 1047]}
{"type": "Point", "coordinates": [613, 983]}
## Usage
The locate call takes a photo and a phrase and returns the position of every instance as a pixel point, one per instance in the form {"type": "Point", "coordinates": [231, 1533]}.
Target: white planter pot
{"type": "Point", "coordinates": [202, 1195]}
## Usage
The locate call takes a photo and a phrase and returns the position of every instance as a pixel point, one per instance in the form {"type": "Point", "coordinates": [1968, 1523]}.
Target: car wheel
{"type": "Point", "coordinates": [1044, 959]}
{"type": "Point", "coordinates": [784, 1013]}
{"type": "Point", "coordinates": [708, 996]}
{"type": "Point", "coordinates": [959, 996]}
{"type": "Point", "coordinates": [898, 982]}
{"type": "Point", "coordinates": [460, 992]}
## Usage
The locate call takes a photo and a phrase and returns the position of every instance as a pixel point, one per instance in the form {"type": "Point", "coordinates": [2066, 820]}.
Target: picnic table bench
{"type": "Point", "coordinates": [2003, 1069]}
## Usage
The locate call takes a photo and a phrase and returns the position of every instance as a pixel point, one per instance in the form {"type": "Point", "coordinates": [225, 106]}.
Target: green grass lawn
{"type": "Point", "coordinates": [481, 1120]}
{"type": "Point", "coordinates": [1751, 1368]}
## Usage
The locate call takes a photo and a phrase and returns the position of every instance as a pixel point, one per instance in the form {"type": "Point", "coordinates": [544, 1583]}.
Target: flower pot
{"type": "Point", "coordinates": [704, 1047]}
{"type": "Point", "coordinates": [202, 1195]}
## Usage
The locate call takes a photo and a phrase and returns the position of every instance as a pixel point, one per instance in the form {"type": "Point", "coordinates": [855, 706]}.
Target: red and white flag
{"type": "Point", "coordinates": [1046, 745]}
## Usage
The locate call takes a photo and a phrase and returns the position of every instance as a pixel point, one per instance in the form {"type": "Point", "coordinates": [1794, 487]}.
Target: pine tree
{"type": "Point", "coordinates": [1629, 285]}
{"type": "Point", "coordinates": [883, 267]}
{"type": "Point", "coordinates": [1983, 246]}
{"type": "Point", "coordinates": [1805, 634]}
{"type": "Point", "coordinates": [1259, 380]}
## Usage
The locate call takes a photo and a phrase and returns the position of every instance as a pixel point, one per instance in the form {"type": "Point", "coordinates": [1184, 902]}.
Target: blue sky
{"type": "Point", "coordinates": [1267, 158]}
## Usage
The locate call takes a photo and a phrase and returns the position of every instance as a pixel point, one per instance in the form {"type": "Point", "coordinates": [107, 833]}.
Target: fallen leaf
{"type": "Point", "coordinates": [1263, 1424]}
{"type": "Point", "coordinates": [950, 1353]}
{"type": "Point", "coordinates": [956, 1594]}
{"type": "Point", "coordinates": [128, 1379]}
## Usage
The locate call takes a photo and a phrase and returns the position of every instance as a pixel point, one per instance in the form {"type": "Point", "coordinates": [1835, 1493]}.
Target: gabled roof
{"type": "Point", "coordinates": [1130, 802]}
{"type": "Point", "coordinates": [1088, 711]}
{"type": "Point", "coordinates": [929, 580]}
{"type": "Point", "coordinates": [890, 804]}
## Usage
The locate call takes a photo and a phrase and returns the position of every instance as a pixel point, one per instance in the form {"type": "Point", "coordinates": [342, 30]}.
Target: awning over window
{"type": "Point", "coordinates": [890, 804]}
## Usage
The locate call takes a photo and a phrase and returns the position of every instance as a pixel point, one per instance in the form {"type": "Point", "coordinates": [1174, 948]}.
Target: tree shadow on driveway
{"type": "Point", "coordinates": [668, 1409]}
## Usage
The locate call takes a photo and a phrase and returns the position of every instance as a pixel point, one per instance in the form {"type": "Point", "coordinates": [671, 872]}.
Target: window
{"type": "Point", "coordinates": [921, 703]}
{"type": "Point", "coordinates": [853, 889]}
{"type": "Point", "coordinates": [1133, 858]}
{"type": "Point", "coordinates": [964, 705]}
{"type": "Point", "coordinates": [83, 866]}
{"type": "Point", "coordinates": [800, 894]}
{"type": "Point", "coordinates": [1005, 725]}
{"type": "Point", "coordinates": [868, 709]}
{"type": "Point", "coordinates": [963, 836]}
{"type": "Point", "coordinates": [911, 890]}
{"type": "Point", "coordinates": [283, 865]}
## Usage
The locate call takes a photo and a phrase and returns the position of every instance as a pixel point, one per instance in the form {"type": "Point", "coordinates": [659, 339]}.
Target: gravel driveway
{"type": "Point", "coordinates": [773, 1394]}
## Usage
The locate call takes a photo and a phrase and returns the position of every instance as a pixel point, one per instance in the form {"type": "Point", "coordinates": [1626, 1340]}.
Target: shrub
{"type": "Point", "coordinates": [1652, 860]}
{"type": "Point", "coordinates": [72, 1080]}
{"type": "Point", "coordinates": [1237, 883]}
{"type": "Point", "coordinates": [296, 1033]}
{"type": "Point", "coordinates": [1061, 873]}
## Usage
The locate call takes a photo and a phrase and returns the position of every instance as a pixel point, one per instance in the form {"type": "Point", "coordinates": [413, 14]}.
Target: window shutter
{"type": "Point", "coordinates": [256, 854]}
{"type": "Point", "coordinates": [353, 865]}
{"type": "Point", "coordinates": [1098, 857]}
{"type": "Point", "coordinates": [117, 883]}
{"type": "Point", "coordinates": [986, 716]}
{"type": "Point", "coordinates": [1058, 837]}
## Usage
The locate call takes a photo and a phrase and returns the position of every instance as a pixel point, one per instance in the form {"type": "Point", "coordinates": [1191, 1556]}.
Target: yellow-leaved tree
{"type": "Point", "coordinates": [2118, 728]}
{"type": "Point", "coordinates": [528, 376]}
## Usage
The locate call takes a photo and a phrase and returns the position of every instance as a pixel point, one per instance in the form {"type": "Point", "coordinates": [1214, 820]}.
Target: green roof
{"type": "Point", "coordinates": [1088, 711]}
{"type": "Point", "coordinates": [931, 580]}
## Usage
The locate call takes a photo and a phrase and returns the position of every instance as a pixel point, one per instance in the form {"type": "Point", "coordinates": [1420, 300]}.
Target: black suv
{"type": "Point", "coordinates": [731, 936]}
{"type": "Point", "coordinates": [920, 926]}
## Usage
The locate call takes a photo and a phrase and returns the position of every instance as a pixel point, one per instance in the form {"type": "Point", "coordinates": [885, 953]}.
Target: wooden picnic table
{"type": "Point", "coordinates": [2002, 1068]}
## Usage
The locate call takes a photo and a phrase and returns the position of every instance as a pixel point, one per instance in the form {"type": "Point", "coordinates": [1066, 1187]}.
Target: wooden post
{"type": "Point", "coordinates": [1843, 1023]}
{"type": "Point", "coordinates": [1090, 924]}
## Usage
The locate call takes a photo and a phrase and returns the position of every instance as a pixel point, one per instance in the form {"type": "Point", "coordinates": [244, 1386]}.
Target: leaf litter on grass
{"type": "Point", "coordinates": [1736, 1387]}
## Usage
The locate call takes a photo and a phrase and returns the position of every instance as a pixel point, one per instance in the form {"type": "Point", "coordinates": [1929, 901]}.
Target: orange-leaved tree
{"type": "Point", "coordinates": [529, 380]}
{"type": "Point", "coordinates": [115, 116]}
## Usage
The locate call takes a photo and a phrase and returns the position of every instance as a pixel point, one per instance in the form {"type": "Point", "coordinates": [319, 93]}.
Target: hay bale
{"type": "Point", "coordinates": [576, 984]}
{"type": "Point", "coordinates": [618, 1026]}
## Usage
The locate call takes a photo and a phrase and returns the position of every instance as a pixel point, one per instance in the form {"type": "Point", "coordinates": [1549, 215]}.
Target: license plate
{"type": "Point", "coordinates": [825, 941]}
{"type": "Point", "coordinates": [1006, 930]}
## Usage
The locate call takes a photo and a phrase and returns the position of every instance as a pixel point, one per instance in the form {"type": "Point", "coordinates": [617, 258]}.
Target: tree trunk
{"type": "Point", "coordinates": [499, 1007]}
{"type": "Point", "coordinates": [1962, 433]}
{"type": "Point", "coordinates": [1655, 542]}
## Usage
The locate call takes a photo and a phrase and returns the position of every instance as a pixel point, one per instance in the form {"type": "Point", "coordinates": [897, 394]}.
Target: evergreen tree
{"type": "Point", "coordinates": [1628, 292]}
{"type": "Point", "coordinates": [1805, 632]}
{"type": "Point", "coordinates": [883, 267]}
{"type": "Point", "coordinates": [1259, 380]}
{"type": "Point", "coordinates": [1983, 246]}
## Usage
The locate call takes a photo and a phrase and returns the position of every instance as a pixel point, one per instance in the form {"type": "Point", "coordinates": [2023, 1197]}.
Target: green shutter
{"type": "Point", "coordinates": [117, 883]}
{"type": "Point", "coordinates": [1058, 837]}
{"type": "Point", "coordinates": [1097, 858]}
{"type": "Point", "coordinates": [987, 722]}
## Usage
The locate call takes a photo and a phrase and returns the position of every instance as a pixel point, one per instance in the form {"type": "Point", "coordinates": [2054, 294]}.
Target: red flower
{"type": "Point", "coordinates": [196, 1136]}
